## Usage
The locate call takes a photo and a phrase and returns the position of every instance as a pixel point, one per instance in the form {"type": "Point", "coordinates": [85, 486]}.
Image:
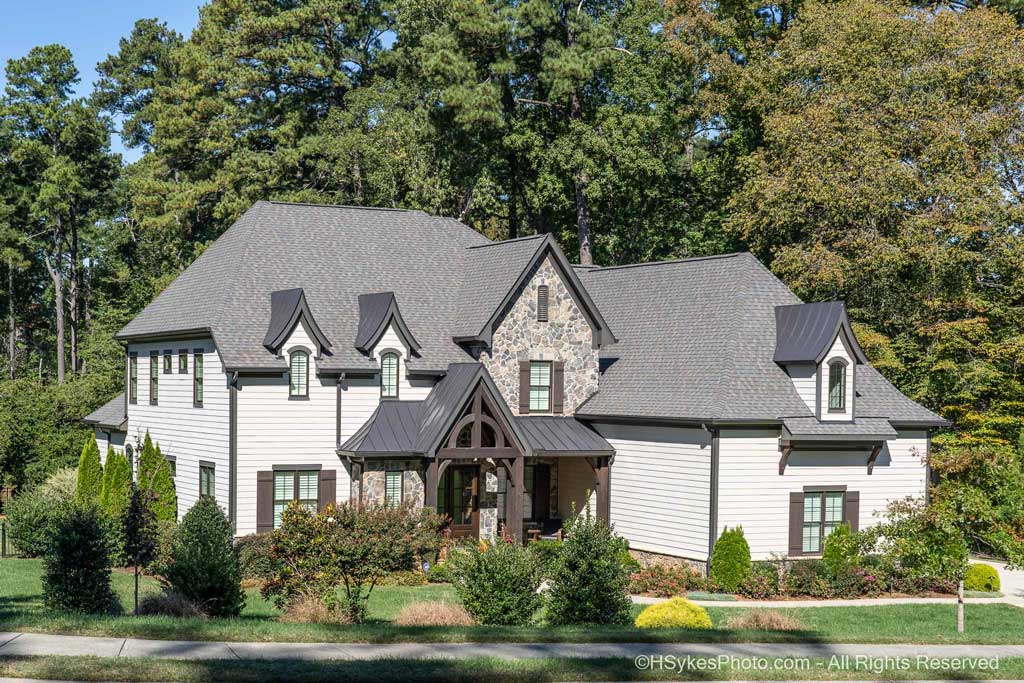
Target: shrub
{"type": "Point", "coordinates": [76, 566]}
{"type": "Point", "coordinates": [547, 552]}
{"type": "Point", "coordinates": [155, 477]}
{"type": "Point", "coordinates": [981, 577]}
{"type": "Point", "coordinates": [433, 614]}
{"type": "Point", "coordinates": [589, 583]}
{"type": "Point", "coordinates": [730, 560]}
{"type": "Point", "coordinates": [764, 620]}
{"type": "Point", "coordinates": [497, 584]}
{"type": "Point", "coordinates": [254, 556]}
{"type": "Point", "coordinates": [139, 534]}
{"type": "Point", "coordinates": [807, 578]}
{"type": "Point", "coordinates": [28, 518]}
{"type": "Point", "coordinates": [762, 582]}
{"type": "Point", "coordinates": [674, 613]}
{"type": "Point", "coordinates": [203, 566]}
{"type": "Point", "coordinates": [666, 580]}
{"type": "Point", "coordinates": [408, 577]}
{"type": "Point", "coordinates": [90, 473]}
{"type": "Point", "coordinates": [840, 553]}
{"type": "Point", "coordinates": [313, 608]}
{"type": "Point", "coordinates": [439, 573]}
{"type": "Point", "coordinates": [62, 486]}
{"type": "Point", "coordinates": [629, 562]}
{"type": "Point", "coordinates": [117, 482]}
{"type": "Point", "coordinates": [171, 604]}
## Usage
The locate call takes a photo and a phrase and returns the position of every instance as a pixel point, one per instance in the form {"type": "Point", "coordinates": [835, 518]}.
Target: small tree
{"type": "Point", "coordinates": [76, 566]}
{"type": "Point", "coordinates": [589, 582]}
{"type": "Point", "coordinates": [140, 534]}
{"type": "Point", "coordinates": [155, 476]}
{"type": "Point", "coordinates": [90, 473]}
{"type": "Point", "coordinates": [117, 481]}
{"type": "Point", "coordinates": [202, 566]}
{"type": "Point", "coordinates": [730, 560]}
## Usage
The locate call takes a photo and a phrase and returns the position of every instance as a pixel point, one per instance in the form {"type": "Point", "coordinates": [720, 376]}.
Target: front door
{"type": "Point", "coordinates": [458, 497]}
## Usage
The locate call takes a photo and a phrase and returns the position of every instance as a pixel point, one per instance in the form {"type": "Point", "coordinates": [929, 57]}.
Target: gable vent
{"type": "Point", "coordinates": [542, 303]}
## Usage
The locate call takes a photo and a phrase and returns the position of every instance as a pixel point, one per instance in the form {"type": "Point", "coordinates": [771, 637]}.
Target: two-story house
{"type": "Point", "coordinates": [325, 353]}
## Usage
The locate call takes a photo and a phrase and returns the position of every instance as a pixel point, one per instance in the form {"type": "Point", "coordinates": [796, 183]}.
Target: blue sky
{"type": "Point", "coordinates": [89, 29]}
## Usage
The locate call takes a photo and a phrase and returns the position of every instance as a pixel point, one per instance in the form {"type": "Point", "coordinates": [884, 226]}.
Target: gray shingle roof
{"type": "Point", "coordinates": [804, 333]}
{"type": "Point", "coordinates": [862, 428]}
{"type": "Point", "coordinates": [110, 415]}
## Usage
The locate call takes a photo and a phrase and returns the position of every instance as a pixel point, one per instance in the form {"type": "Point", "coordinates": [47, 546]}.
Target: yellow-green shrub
{"type": "Point", "coordinates": [674, 613]}
{"type": "Point", "coordinates": [981, 577]}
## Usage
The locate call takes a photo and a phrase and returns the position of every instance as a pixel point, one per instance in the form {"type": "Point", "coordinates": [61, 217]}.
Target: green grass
{"type": "Point", "coordinates": [21, 610]}
{"type": "Point", "coordinates": [441, 671]}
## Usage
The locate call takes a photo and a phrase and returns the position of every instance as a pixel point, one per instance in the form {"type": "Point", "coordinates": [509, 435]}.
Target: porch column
{"type": "Point", "coordinates": [514, 500]}
{"type": "Point", "coordinates": [602, 470]}
{"type": "Point", "coordinates": [430, 485]}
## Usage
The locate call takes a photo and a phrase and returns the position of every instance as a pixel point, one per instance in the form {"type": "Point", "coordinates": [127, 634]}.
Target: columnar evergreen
{"type": "Point", "coordinates": [90, 473]}
{"type": "Point", "coordinates": [155, 478]}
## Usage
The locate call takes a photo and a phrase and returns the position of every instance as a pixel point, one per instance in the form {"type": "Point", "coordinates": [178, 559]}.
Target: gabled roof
{"type": "Point", "coordinates": [376, 312]}
{"type": "Point", "coordinates": [494, 274]}
{"type": "Point", "coordinates": [287, 308]}
{"type": "Point", "coordinates": [110, 415]}
{"type": "Point", "coordinates": [804, 333]}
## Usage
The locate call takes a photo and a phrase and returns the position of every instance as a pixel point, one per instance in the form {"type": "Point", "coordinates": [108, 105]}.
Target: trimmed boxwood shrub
{"type": "Point", "coordinates": [497, 583]}
{"type": "Point", "coordinates": [981, 577]}
{"type": "Point", "coordinates": [90, 473]}
{"type": "Point", "coordinates": [589, 583]}
{"type": "Point", "coordinates": [547, 552]}
{"type": "Point", "coordinates": [28, 518]}
{"type": "Point", "coordinates": [730, 560]}
{"type": "Point", "coordinates": [674, 613]}
{"type": "Point", "coordinates": [203, 567]}
{"type": "Point", "coordinates": [76, 566]}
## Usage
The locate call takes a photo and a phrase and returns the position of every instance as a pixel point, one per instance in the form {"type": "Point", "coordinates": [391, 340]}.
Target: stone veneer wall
{"type": "Point", "coordinates": [373, 479]}
{"type": "Point", "coordinates": [566, 337]}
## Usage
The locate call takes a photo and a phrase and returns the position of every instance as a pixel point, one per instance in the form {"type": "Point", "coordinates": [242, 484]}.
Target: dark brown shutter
{"type": "Point", "coordinates": [328, 488]}
{"type": "Point", "coordinates": [796, 524]}
{"type": "Point", "coordinates": [264, 502]}
{"type": "Point", "coordinates": [557, 386]}
{"type": "Point", "coordinates": [524, 387]}
{"type": "Point", "coordinates": [852, 512]}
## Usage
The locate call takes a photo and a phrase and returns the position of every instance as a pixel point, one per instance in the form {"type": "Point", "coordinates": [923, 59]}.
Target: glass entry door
{"type": "Point", "coordinates": [458, 497]}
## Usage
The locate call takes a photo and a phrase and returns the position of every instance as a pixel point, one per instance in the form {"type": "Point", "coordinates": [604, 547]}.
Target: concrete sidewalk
{"type": "Point", "coordinates": [39, 644]}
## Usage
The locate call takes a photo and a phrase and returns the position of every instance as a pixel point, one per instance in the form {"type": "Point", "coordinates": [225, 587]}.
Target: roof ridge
{"type": "Point", "coordinates": [344, 206]}
{"type": "Point", "coordinates": [511, 241]}
{"type": "Point", "coordinates": [710, 257]}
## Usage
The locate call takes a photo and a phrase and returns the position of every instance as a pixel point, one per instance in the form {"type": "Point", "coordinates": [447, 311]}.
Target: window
{"type": "Point", "coordinates": [393, 488]}
{"type": "Point", "coordinates": [300, 485]}
{"type": "Point", "coordinates": [540, 387]}
{"type": "Point", "coordinates": [207, 479]}
{"type": "Point", "coordinates": [837, 386]}
{"type": "Point", "coordinates": [167, 362]}
{"type": "Point", "coordinates": [172, 465]}
{"type": "Point", "coordinates": [389, 375]}
{"type": "Point", "coordinates": [542, 303]}
{"type": "Point", "coordinates": [133, 378]}
{"type": "Point", "coordinates": [197, 379]}
{"type": "Point", "coordinates": [154, 378]}
{"type": "Point", "coordinates": [823, 512]}
{"type": "Point", "coordinates": [183, 362]}
{"type": "Point", "coordinates": [298, 386]}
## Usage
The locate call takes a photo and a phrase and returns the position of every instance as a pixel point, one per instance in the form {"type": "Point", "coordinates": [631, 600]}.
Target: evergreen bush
{"type": "Point", "coordinates": [730, 560]}
{"type": "Point", "coordinates": [90, 473]}
{"type": "Point", "coordinates": [589, 582]}
{"type": "Point", "coordinates": [155, 476]}
{"type": "Point", "coordinates": [203, 566]}
{"type": "Point", "coordinates": [28, 518]}
{"type": "Point", "coordinates": [498, 583]}
{"type": "Point", "coordinates": [76, 566]}
{"type": "Point", "coordinates": [674, 613]}
{"type": "Point", "coordinates": [841, 551]}
{"type": "Point", "coordinates": [117, 483]}
{"type": "Point", "coordinates": [981, 577]}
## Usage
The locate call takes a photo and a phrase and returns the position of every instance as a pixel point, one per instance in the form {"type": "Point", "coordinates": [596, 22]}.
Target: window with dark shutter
{"type": "Point", "coordinates": [816, 513]}
{"type": "Point", "coordinates": [542, 303]}
{"type": "Point", "coordinates": [167, 362]}
{"type": "Point", "coordinates": [154, 378]}
{"type": "Point", "coordinates": [133, 378]}
{"type": "Point", "coordinates": [183, 362]}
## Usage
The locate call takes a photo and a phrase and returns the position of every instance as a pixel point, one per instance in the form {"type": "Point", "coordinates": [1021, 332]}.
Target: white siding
{"type": "Point", "coordinates": [805, 378]}
{"type": "Point", "coordinates": [415, 390]}
{"type": "Point", "coordinates": [187, 433]}
{"type": "Point", "coordinates": [105, 439]}
{"type": "Point", "coordinates": [276, 430]}
{"type": "Point", "coordinates": [838, 350]}
{"type": "Point", "coordinates": [660, 488]}
{"type": "Point", "coordinates": [752, 494]}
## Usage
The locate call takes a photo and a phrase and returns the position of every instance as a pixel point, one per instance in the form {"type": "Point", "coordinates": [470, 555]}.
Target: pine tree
{"type": "Point", "coordinates": [155, 477]}
{"type": "Point", "coordinates": [90, 473]}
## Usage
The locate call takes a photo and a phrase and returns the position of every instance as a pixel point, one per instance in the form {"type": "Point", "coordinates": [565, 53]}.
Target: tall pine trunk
{"type": "Point", "coordinates": [580, 182]}
{"type": "Point", "coordinates": [73, 299]}
{"type": "Point", "coordinates": [54, 267]}
{"type": "Point", "coordinates": [12, 329]}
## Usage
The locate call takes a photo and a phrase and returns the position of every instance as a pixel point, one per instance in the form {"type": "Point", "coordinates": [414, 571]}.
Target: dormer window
{"type": "Point", "coordinates": [298, 374]}
{"type": "Point", "coordinates": [542, 303]}
{"type": "Point", "coordinates": [837, 386]}
{"type": "Point", "coordinates": [389, 375]}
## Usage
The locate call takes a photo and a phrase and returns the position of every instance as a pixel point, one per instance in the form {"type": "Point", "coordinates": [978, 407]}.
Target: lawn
{"type": "Point", "coordinates": [21, 610]}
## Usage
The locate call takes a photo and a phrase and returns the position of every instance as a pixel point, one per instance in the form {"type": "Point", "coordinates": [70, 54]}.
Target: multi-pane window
{"type": "Point", "coordinates": [133, 378]}
{"type": "Point", "coordinates": [389, 375]}
{"type": "Point", "coordinates": [540, 387]}
{"type": "Point", "coordinates": [197, 379]}
{"type": "Point", "coordinates": [154, 378]}
{"type": "Point", "coordinates": [837, 386]}
{"type": "Point", "coordinates": [183, 362]}
{"type": "Point", "coordinates": [207, 480]}
{"type": "Point", "coordinates": [298, 385]}
{"type": "Point", "coordinates": [300, 485]}
{"type": "Point", "coordinates": [542, 303]}
{"type": "Point", "coordinates": [393, 488]}
{"type": "Point", "coordinates": [823, 512]}
{"type": "Point", "coordinates": [167, 362]}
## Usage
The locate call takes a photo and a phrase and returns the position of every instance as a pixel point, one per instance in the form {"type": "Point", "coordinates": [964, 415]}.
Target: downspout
{"type": "Point", "coordinates": [233, 450]}
{"type": "Point", "coordinates": [713, 493]}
